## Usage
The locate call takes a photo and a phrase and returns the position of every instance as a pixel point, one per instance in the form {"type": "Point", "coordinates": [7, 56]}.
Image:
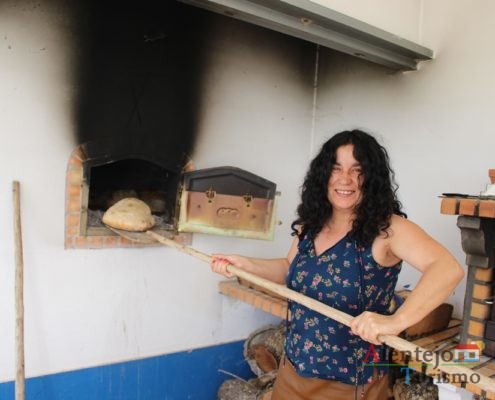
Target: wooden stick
{"type": "Point", "coordinates": [19, 296]}
{"type": "Point", "coordinates": [420, 354]}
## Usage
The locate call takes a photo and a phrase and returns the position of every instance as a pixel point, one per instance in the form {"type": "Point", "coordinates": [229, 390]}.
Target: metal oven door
{"type": "Point", "coordinates": [227, 201]}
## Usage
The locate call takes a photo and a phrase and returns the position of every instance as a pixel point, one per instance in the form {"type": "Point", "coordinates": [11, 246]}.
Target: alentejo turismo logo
{"type": "Point", "coordinates": [462, 354]}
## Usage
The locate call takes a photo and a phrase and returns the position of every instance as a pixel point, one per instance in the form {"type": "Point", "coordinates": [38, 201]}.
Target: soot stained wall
{"type": "Point", "coordinates": [139, 75]}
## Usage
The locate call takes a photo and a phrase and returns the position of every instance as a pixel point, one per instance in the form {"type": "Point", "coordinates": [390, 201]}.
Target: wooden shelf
{"type": "Point", "coordinates": [268, 303]}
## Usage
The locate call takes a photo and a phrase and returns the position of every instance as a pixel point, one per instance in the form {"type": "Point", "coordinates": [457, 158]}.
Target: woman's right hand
{"type": "Point", "coordinates": [220, 262]}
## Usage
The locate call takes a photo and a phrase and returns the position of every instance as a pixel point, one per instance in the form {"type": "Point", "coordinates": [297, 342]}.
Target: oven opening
{"type": "Point", "coordinates": [148, 181]}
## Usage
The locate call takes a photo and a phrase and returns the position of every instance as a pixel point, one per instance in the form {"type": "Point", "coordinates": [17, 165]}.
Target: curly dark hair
{"type": "Point", "coordinates": [379, 199]}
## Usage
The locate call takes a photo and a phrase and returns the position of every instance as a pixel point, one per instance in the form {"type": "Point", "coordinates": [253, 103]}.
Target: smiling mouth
{"type": "Point", "coordinates": [344, 192]}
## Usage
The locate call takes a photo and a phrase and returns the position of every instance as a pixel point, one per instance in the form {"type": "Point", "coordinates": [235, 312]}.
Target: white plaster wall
{"type": "Point", "coordinates": [436, 123]}
{"type": "Point", "coordinates": [93, 307]}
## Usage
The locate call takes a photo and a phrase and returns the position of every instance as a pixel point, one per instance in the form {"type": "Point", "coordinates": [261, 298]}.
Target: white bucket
{"type": "Point", "coordinates": [446, 391]}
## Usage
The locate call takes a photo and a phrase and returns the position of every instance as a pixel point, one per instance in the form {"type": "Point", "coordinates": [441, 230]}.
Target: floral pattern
{"type": "Point", "coordinates": [347, 278]}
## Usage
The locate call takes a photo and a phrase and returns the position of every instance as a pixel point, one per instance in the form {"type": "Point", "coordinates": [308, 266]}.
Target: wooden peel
{"type": "Point", "coordinates": [19, 296]}
{"type": "Point", "coordinates": [484, 383]}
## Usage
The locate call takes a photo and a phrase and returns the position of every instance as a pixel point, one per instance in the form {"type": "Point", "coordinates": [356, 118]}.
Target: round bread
{"type": "Point", "coordinates": [129, 214]}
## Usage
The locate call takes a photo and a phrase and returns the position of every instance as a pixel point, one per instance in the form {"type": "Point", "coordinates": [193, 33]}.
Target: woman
{"type": "Point", "coordinates": [351, 237]}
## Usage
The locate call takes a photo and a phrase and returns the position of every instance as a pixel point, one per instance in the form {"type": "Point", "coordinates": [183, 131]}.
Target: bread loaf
{"type": "Point", "coordinates": [129, 214]}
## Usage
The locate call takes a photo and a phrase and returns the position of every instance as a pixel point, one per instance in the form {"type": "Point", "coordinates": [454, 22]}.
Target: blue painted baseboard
{"type": "Point", "coordinates": [186, 375]}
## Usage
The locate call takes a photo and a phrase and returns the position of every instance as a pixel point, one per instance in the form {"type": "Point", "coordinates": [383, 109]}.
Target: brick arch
{"type": "Point", "coordinates": [75, 237]}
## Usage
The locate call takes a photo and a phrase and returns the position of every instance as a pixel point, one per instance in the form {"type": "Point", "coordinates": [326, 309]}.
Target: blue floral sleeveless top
{"type": "Point", "coordinates": [347, 278]}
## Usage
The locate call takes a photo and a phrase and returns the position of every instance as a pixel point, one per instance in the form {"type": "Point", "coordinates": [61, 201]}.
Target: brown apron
{"type": "Point", "coordinates": [291, 386]}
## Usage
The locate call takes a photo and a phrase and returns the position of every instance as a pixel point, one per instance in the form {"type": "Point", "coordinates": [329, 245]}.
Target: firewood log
{"type": "Point", "coordinates": [264, 349]}
{"type": "Point", "coordinates": [236, 389]}
{"type": "Point", "coordinates": [265, 394]}
{"type": "Point", "coordinates": [254, 389]}
{"type": "Point", "coordinates": [415, 390]}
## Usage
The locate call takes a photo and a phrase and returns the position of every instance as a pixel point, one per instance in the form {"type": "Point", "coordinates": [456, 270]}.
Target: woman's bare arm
{"type": "Point", "coordinates": [274, 269]}
{"type": "Point", "coordinates": [441, 273]}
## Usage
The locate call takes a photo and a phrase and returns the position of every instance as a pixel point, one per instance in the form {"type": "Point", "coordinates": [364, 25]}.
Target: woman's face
{"type": "Point", "coordinates": [344, 185]}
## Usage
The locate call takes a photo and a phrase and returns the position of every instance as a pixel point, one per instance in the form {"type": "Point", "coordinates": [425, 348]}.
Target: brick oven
{"type": "Point", "coordinates": [95, 183]}
{"type": "Point", "coordinates": [223, 200]}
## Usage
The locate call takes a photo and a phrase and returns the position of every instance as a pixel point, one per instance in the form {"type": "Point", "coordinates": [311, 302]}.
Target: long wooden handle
{"type": "Point", "coordinates": [417, 352]}
{"type": "Point", "coordinates": [19, 295]}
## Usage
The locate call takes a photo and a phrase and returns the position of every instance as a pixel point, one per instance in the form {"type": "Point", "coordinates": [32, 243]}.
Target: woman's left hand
{"type": "Point", "coordinates": [370, 325]}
